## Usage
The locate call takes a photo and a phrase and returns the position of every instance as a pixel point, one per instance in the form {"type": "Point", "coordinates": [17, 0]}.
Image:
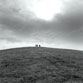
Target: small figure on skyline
{"type": "Point", "coordinates": [39, 45]}
{"type": "Point", "coordinates": [36, 45]}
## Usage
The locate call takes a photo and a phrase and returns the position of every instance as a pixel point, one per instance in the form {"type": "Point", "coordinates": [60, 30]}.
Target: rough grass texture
{"type": "Point", "coordinates": [41, 65]}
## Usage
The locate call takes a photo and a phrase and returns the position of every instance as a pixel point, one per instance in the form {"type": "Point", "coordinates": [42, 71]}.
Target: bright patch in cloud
{"type": "Point", "coordinates": [47, 9]}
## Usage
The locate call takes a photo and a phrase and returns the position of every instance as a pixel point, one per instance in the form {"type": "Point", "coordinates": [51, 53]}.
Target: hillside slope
{"type": "Point", "coordinates": [41, 65]}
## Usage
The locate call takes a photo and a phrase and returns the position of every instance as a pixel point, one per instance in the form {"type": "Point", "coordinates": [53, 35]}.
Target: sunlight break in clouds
{"type": "Point", "coordinates": [47, 9]}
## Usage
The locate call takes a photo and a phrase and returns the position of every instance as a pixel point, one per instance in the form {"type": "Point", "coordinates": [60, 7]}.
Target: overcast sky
{"type": "Point", "coordinates": [51, 23]}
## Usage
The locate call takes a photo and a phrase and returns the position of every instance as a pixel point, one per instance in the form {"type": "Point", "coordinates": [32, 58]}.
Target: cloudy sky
{"type": "Point", "coordinates": [51, 23]}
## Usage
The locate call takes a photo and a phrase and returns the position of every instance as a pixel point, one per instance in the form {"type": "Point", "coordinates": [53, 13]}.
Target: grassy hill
{"type": "Point", "coordinates": [41, 65]}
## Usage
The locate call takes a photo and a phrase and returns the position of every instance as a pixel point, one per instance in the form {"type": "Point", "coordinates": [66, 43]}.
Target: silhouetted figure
{"type": "Point", "coordinates": [39, 45]}
{"type": "Point", "coordinates": [36, 45]}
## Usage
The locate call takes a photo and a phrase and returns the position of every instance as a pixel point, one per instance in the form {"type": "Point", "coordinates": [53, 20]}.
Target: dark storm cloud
{"type": "Point", "coordinates": [18, 24]}
{"type": "Point", "coordinates": [11, 19]}
{"type": "Point", "coordinates": [15, 24]}
{"type": "Point", "coordinates": [69, 24]}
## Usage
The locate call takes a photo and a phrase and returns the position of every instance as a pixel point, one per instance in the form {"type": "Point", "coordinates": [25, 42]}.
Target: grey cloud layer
{"type": "Point", "coordinates": [67, 26]}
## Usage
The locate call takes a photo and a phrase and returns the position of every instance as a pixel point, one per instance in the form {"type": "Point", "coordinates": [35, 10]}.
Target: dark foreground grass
{"type": "Point", "coordinates": [41, 65]}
